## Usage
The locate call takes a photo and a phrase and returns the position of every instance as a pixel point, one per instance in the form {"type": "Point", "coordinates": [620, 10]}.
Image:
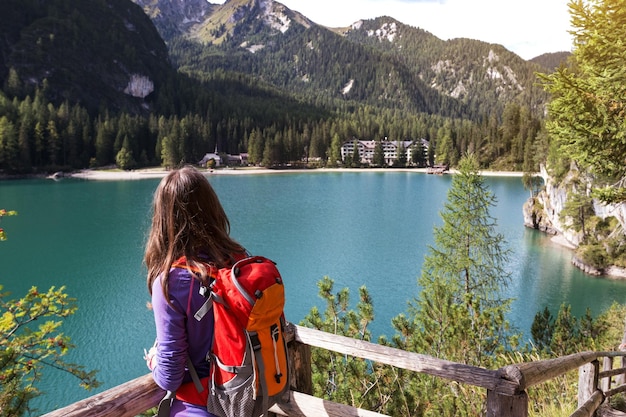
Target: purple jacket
{"type": "Point", "coordinates": [180, 335]}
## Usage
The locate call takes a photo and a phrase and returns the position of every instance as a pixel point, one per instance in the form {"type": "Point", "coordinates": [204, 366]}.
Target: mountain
{"type": "Point", "coordinates": [176, 18]}
{"type": "Point", "coordinates": [99, 53]}
{"type": "Point", "coordinates": [380, 62]}
{"type": "Point", "coordinates": [552, 60]}
{"type": "Point", "coordinates": [108, 54]}
{"type": "Point", "coordinates": [163, 81]}
{"type": "Point", "coordinates": [483, 76]}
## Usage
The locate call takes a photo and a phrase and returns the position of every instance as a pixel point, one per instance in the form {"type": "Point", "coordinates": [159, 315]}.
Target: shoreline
{"type": "Point", "coordinates": [147, 173]}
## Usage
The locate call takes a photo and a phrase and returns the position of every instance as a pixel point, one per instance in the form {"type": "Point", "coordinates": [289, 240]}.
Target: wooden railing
{"type": "Point", "coordinates": [506, 387]}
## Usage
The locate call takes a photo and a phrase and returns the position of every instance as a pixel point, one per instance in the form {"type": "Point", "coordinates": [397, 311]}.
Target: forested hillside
{"type": "Point", "coordinates": [85, 53]}
{"type": "Point", "coordinates": [94, 85]}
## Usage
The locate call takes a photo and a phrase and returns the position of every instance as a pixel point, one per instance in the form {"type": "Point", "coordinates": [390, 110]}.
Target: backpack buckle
{"type": "Point", "coordinates": [254, 341]}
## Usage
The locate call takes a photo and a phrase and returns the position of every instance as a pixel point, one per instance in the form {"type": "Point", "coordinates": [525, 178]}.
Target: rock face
{"type": "Point", "coordinates": [84, 52]}
{"type": "Point", "coordinates": [543, 213]}
{"type": "Point", "coordinates": [139, 86]}
{"type": "Point", "coordinates": [176, 17]}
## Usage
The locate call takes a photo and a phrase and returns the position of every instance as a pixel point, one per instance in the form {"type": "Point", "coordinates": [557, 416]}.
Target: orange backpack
{"type": "Point", "coordinates": [248, 356]}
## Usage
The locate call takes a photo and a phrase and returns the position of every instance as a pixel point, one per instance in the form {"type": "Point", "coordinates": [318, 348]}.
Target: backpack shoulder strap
{"type": "Point", "coordinates": [165, 404]}
{"type": "Point", "coordinates": [204, 289]}
{"type": "Point", "coordinates": [194, 375]}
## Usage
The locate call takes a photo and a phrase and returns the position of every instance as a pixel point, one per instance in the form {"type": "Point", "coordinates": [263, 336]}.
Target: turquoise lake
{"type": "Point", "coordinates": [359, 228]}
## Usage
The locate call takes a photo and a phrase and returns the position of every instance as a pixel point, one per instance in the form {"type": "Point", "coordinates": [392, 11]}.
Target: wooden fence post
{"type": "Point", "coordinates": [621, 361]}
{"type": "Point", "coordinates": [587, 381]}
{"type": "Point", "coordinates": [300, 363]}
{"type": "Point", "coordinates": [620, 379]}
{"type": "Point", "coordinates": [607, 365]}
{"type": "Point", "coordinates": [500, 405]}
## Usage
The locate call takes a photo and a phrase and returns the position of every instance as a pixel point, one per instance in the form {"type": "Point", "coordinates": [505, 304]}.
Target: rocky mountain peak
{"type": "Point", "coordinates": [212, 23]}
{"type": "Point", "coordinates": [176, 17]}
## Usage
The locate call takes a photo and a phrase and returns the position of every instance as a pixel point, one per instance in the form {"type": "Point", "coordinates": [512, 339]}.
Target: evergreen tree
{"type": "Point", "coordinates": [54, 146]}
{"type": "Point", "coordinates": [124, 158]}
{"type": "Point", "coordinates": [334, 157]}
{"type": "Point", "coordinates": [268, 154]}
{"type": "Point", "coordinates": [356, 156]}
{"type": "Point", "coordinates": [566, 335]}
{"type": "Point", "coordinates": [13, 83]}
{"type": "Point", "coordinates": [542, 329]}
{"type": "Point", "coordinates": [9, 148]}
{"type": "Point", "coordinates": [459, 313]}
{"type": "Point", "coordinates": [255, 147]}
{"type": "Point", "coordinates": [400, 161]}
{"type": "Point", "coordinates": [578, 208]}
{"type": "Point", "coordinates": [588, 108]}
{"type": "Point", "coordinates": [169, 154]}
{"type": "Point", "coordinates": [417, 155]}
{"type": "Point", "coordinates": [378, 160]}
{"type": "Point", "coordinates": [338, 377]}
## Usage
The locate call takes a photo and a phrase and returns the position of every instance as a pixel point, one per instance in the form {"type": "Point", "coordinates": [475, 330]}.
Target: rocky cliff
{"type": "Point", "coordinates": [543, 212]}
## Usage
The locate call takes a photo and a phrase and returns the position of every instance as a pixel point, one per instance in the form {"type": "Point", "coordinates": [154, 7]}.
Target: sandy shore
{"type": "Point", "coordinates": [116, 174]}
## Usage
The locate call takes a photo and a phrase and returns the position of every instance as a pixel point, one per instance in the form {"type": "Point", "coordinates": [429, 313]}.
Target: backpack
{"type": "Point", "coordinates": [248, 356]}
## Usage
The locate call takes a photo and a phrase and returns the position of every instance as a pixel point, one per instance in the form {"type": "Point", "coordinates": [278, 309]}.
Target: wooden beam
{"type": "Point", "coordinates": [587, 381]}
{"type": "Point", "coordinates": [588, 409]}
{"type": "Point", "coordinates": [467, 374]}
{"type": "Point", "coordinates": [303, 405]}
{"type": "Point", "coordinates": [528, 374]}
{"type": "Point", "coordinates": [126, 400]}
{"type": "Point", "coordinates": [499, 405]}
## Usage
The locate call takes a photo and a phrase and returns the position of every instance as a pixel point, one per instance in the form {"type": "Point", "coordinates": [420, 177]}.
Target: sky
{"type": "Point", "coordinates": [527, 27]}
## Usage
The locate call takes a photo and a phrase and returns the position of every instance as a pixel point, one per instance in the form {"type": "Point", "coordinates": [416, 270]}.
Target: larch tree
{"type": "Point", "coordinates": [31, 341]}
{"type": "Point", "coordinates": [460, 312]}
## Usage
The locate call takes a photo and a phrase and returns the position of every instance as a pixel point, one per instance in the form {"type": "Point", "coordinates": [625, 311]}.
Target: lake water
{"type": "Point", "coordinates": [364, 228]}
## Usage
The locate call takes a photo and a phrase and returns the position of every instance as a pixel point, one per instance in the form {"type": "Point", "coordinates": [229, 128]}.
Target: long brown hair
{"type": "Point", "coordinates": [188, 219]}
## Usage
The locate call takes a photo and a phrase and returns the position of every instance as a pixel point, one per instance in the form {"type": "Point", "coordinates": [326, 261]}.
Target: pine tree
{"type": "Point", "coordinates": [339, 377]}
{"type": "Point", "coordinates": [566, 335]}
{"type": "Point", "coordinates": [9, 149]}
{"type": "Point", "coordinates": [334, 157]}
{"type": "Point", "coordinates": [401, 160]}
{"type": "Point", "coordinates": [356, 156]}
{"type": "Point", "coordinates": [378, 160]}
{"type": "Point", "coordinates": [542, 329]}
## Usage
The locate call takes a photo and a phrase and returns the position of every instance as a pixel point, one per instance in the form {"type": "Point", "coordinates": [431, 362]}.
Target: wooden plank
{"type": "Point", "coordinates": [126, 400]}
{"type": "Point", "coordinates": [620, 379]}
{"type": "Point", "coordinates": [607, 411]}
{"type": "Point", "coordinates": [607, 365]}
{"type": "Point", "coordinates": [589, 408]}
{"type": "Point", "coordinates": [612, 372]}
{"type": "Point", "coordinates": [303, 405]}
{"type": "Point", "coordinates": [301, 376]}
{"type": "Point", "coordinates": [499, 405]}
{"type": "Point", "coordinates": [587, 382]}
{"type": "Point", "coordinates": [467, 374]}
{"type": "Point", "coordinates": [529, 374]}
{"type": "Point", "coordinates": [616, 390]}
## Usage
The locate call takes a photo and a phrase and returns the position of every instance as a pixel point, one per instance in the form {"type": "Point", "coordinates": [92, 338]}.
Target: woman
{"type": "Point", "coordinates": [188, 221]}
